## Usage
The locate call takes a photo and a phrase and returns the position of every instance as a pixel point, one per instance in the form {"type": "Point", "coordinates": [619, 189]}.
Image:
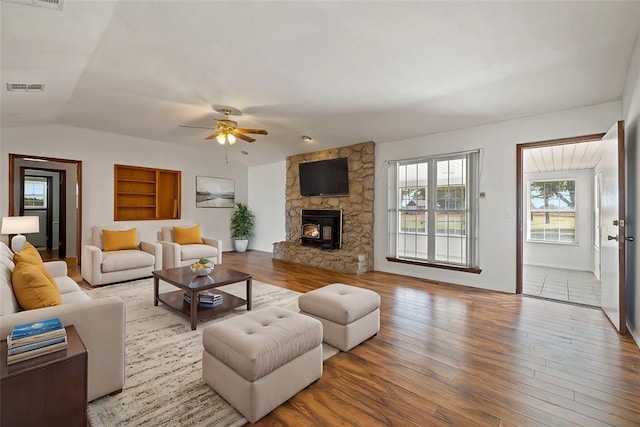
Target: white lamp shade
{"type": "Point", "coordinates": [20, 224]}
{"type": "Point", "coordinates": [17, 225]}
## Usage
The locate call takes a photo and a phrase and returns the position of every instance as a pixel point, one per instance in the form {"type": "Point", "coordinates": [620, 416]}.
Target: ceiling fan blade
{"type": "Point", "coordinates": [244, 137]}
{"type": "Point", "coordinates": [196, 127]}
{"type": "Point", "coordinates": [258, 131]}
{"type": "Point", "coordinates": [212, 136]}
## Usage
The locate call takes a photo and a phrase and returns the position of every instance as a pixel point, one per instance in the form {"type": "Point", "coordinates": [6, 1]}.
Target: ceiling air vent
{"type": "Point", "coordinates": [25, 87]}
{"type": "Point", "coordinates": [47, 4]}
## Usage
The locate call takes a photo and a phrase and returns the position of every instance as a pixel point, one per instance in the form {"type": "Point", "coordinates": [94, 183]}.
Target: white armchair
{"type": "Point", "coordinates": [177, 255]}
{"type": "Point", "coordinates": [100, 267]}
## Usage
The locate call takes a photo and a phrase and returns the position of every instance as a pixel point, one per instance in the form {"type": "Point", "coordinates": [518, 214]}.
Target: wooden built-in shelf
{"type": "Point", "coordinates": [146, 193]}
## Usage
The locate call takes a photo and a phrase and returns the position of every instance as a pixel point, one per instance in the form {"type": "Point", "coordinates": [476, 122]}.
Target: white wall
{"type": "Point", "coordinates": [498, 181]}
{"type": "Point", "coordinates": [99, 151]}
{"type": "Point", "coordinates": [631, 114]}
{"type": "Point", "coordinates": [578, 256]}
{"type": "Point", "coordinates": [267, 201]}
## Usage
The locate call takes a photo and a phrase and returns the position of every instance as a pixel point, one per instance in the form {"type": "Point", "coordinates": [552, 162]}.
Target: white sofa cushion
{"type": "Point", "coordinates": [8, 302]}
{"type": "Point", "coordinates": [126, 260]}
{"type": "Point", "coordinates": [71, 297]}
{"type": "Point", "coordinates": [195, 251]}
{"type": "Point", "coordinates": [67, 285]}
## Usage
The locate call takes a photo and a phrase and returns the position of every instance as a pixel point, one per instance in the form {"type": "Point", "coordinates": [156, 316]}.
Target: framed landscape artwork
{"type": "Point", "coordinates": [214, 192]}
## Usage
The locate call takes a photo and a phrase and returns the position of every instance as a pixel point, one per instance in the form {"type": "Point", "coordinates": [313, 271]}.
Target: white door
{"type": "Point", "coordinates": [612, 242]}
{"type": "Point", "coordinates": [597, 194]}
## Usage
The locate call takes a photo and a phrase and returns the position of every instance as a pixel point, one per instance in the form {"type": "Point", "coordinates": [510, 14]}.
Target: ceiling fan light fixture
{"type": "Point", "coordinates": [227, 131]}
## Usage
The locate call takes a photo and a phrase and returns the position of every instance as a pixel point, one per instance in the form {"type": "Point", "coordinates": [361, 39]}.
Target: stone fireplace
{"type": "Point", "coordinates": [322, 228]}
{"type": "Point", "coordinates": [354, 250]}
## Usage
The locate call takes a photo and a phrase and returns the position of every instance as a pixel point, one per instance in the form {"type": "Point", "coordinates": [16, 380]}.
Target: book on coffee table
{"type": "Point", "coordinates": [206, 297]}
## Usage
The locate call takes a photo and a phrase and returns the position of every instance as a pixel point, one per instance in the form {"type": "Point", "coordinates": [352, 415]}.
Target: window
{"type": "Point", "coordinates": [35, 192]}
{"type": "Point", "coordinates": [552, 211]}
{"type": "Point", "coordinates": [433, 210]}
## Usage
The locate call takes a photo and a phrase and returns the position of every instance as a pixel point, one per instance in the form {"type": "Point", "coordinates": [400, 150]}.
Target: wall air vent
{"type": "Point", "coordinates": [25, 87]}
{"type": "Point", "coordinates": [47, 4]}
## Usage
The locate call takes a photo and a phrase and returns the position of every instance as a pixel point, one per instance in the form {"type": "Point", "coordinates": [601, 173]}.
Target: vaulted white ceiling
{"type": "Point", "coordinates": [340, 72]}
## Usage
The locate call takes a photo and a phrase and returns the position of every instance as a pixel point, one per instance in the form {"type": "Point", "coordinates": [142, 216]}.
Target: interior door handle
{"type": "Point", "coordinates": [612, 238]}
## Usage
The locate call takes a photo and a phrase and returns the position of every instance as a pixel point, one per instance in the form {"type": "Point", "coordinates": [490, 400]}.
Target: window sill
{"type": "Point", "coordinates": [554, 243]}
{"type": "Point", "coordinates": [433, 265]}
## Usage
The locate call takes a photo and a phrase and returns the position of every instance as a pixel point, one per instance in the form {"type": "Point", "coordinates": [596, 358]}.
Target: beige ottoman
{"type": "Point", "coordinates": [349, 314]}
{"type": "Point", "coordinates": [259, 360]}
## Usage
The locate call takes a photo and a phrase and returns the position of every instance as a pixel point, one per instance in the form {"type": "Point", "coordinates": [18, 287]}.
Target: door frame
{"type": "Point", "coordinates": [520, 191]}
{"type": "Point", "coordinates": [62, 206]}
{"type": "Point", "coordinates": [13, 209]}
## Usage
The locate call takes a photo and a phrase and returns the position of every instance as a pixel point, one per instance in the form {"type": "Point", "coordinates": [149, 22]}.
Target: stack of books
{"type": "Point", "coordinates": [206, 298]}
{"type": "Point", "coordinates": [35, 339]}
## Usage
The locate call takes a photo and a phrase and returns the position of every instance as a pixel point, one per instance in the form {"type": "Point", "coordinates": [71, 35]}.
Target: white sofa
{"type": "Point", "coordinates": [100, 267]}
{"type": "Point", "coordinates": [100, 323]}
{"type": "Point", "coordinates": [176, 255]}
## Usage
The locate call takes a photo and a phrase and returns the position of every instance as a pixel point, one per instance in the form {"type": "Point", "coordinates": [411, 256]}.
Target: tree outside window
{"type": "Point", "coordinates": [552, 211]}
{"type": "Point", "coordinates": [413, 209]}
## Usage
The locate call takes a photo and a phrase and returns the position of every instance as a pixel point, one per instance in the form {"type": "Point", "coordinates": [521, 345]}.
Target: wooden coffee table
{"type": "Point", "coordinates": [189, 283]}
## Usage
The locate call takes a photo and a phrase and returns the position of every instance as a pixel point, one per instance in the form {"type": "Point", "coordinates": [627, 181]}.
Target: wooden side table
{"type": "Point", "coordinates": [47, 390]}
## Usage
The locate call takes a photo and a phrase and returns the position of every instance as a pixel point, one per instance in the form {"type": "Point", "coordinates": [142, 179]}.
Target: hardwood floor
{"type": "Point", "coordinates": [452, 355]}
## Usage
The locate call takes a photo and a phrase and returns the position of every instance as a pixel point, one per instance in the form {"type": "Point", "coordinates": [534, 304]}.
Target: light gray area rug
{"type": "Point", "coordinates": [164, 385]}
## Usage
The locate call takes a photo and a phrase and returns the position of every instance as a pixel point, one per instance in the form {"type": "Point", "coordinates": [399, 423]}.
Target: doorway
{"type": "Point", "coordinates": [51, 189]}
{"type": "Point", "coordinates": [44, 196]}
{"type": "Point", "coordinates": [557, 235]}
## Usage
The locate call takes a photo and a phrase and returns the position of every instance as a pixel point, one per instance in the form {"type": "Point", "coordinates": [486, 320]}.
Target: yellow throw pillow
{"type": "Point", "coordinates": [30, 255]}
{"type": "Point", "coordinates": [187, 236]}
{"type": "Point", "coordinates": [32, 288]}
{"type": "Point", "coordinates": [119, 240]}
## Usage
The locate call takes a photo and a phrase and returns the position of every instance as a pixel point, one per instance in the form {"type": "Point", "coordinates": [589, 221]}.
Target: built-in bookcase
{"type": "Point", "coordinates": [146, 193]}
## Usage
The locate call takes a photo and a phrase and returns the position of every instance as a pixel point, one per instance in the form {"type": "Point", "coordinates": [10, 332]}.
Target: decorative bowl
{"type": "Point", "coordinates": [202, 271]}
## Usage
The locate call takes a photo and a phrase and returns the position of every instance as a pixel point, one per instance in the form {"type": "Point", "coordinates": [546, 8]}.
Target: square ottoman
{"type": "Point", "coordinates": [349, 314]}
{"type": "Point", "coordinates": [261, 359]}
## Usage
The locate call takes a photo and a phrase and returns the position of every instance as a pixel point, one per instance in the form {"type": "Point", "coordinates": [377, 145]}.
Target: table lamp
{"type": "Point", "coordinates": [17, 225]}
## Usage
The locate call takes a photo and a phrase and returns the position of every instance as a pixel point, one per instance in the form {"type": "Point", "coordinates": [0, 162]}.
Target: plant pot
{"type": "Point", "coordinates": [241, 244]}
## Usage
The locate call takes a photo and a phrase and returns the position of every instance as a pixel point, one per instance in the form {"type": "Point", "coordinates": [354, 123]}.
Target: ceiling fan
{"type": "Point", "coordinates": [228, 130]}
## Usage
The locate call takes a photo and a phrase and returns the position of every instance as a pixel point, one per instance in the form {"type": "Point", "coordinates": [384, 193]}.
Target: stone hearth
{"type": "Point", "coordinates": [338, 260]}
{"type": "Point", "coordinates": [356, 255]}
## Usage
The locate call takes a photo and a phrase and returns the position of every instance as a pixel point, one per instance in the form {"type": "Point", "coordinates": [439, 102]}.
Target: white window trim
{"type": "Point", "coordinates": [472, 210]}
{"type": "Point", "coordinates": [575, 241]}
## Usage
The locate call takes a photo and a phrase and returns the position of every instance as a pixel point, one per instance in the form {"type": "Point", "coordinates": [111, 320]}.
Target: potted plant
{"type": "Point", "coordinates": [241, 227]}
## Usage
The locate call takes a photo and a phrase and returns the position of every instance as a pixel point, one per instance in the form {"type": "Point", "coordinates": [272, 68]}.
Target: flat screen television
{"type": "Point", "coordinates": [324, 178]}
